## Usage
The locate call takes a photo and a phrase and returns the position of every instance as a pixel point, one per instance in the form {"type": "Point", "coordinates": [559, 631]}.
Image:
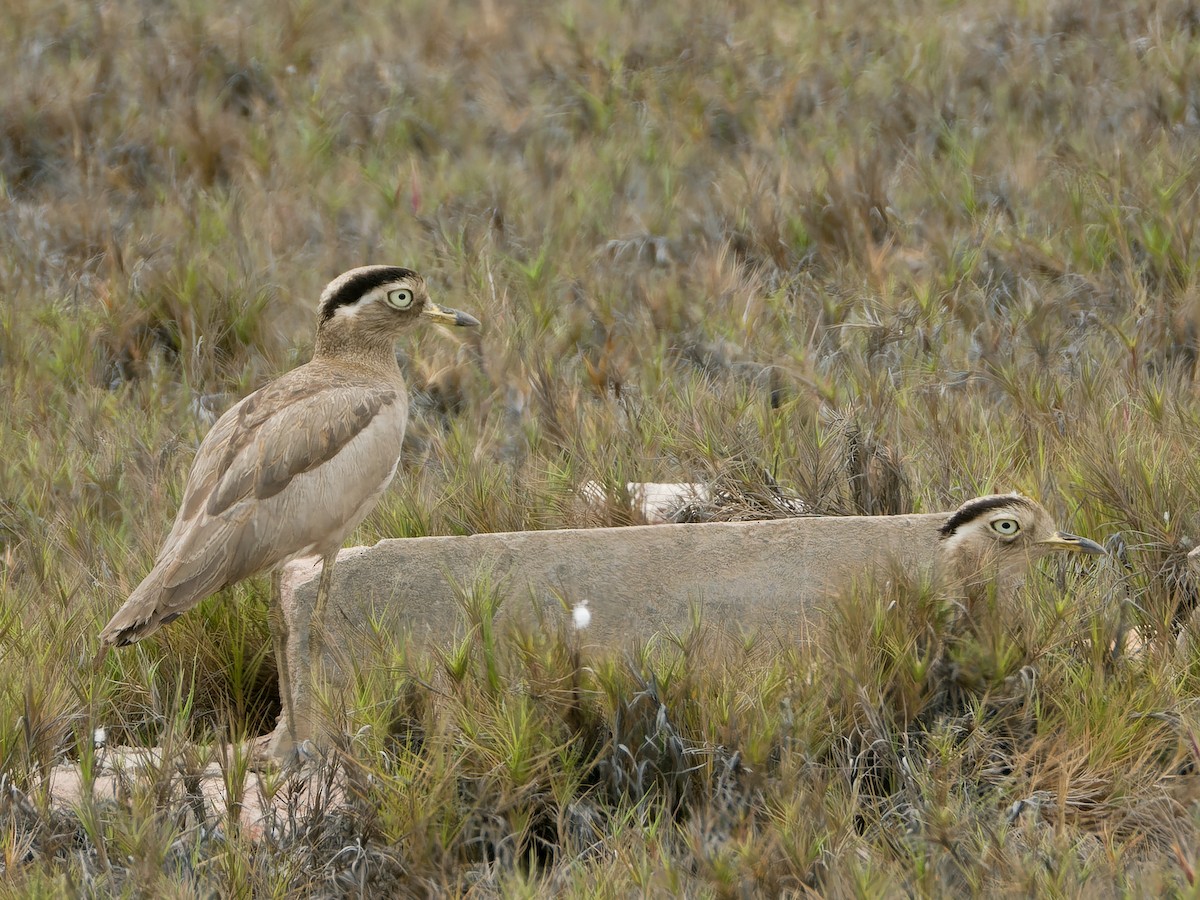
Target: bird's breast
{"type": "Point", "coordinates": [322, 506]}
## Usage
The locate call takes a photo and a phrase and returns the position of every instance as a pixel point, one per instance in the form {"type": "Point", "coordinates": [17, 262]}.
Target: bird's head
{"type": "Point", "coordinates": [1003, 535]}
{"type": "Point", "coordinates": [373, 304]}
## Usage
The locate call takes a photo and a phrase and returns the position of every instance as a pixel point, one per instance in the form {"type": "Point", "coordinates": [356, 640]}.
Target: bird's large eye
{"type": "Point", "coordinates": [401, 298]}
{"type": "Point", "coordinates": [1006, 527]}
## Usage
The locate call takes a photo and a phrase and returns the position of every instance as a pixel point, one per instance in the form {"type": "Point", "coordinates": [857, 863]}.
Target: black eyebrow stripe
{"type": "Point", "coordinates": [360, 285]}
{"type": "Point", "coordinates": [973, 509]}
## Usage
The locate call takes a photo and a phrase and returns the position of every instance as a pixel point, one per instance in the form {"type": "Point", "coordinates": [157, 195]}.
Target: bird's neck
{"type": "Point", "coordinates": [1005, 566]}
{"type": "Point", "coordinates": [377, 352]}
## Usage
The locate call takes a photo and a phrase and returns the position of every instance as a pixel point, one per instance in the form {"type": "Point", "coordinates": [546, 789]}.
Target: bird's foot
{"type": "Point", "coordinates": [280, 751]}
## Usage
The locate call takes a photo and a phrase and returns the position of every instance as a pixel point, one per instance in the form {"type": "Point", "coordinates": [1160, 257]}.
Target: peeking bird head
{"type": "Point", "coordinates": [1001, 536]}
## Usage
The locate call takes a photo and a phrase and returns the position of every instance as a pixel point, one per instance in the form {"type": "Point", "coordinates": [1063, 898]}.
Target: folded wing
{"type": "Point", "coordinates": [288, 467]}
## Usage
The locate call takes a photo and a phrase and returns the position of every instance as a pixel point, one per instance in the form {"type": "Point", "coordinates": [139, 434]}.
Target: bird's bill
{"type": "Point", "coordinates": [447, 316]}
{"type": "Point", "coordinates": [1060, 540]}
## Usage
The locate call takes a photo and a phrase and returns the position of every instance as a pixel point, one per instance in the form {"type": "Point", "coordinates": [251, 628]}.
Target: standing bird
{"type": "Point", "coordinates": [294, 467]}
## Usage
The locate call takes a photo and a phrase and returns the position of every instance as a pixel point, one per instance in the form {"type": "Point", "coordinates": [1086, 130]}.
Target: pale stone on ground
{"type": "Point", "coordinates": [1189, 634]}
{"type": "Point", "coordinates": [763, 578]}
{"type": "Point", "coordinates": [656, 502]}
{"type": "Point", "coordinates": [125, 773]}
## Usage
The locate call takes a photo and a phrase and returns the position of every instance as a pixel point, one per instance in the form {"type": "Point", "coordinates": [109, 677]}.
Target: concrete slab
{"type": "Point", "coordinates": [763, 578]}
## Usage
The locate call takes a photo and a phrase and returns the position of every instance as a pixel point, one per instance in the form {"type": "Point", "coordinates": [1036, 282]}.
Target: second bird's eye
{"type": "Point", "coordinates": [1006, 527]}
{"type": "Point", "coordinates": [401, 298]}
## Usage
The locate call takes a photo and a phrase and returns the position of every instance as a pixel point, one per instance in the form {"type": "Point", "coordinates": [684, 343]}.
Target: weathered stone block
{"type": "Point", "coordinates": [747, 577]}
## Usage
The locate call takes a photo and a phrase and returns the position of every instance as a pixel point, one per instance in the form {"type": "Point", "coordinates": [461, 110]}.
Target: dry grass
{"type": "Point", "coordinates": [880, 258]}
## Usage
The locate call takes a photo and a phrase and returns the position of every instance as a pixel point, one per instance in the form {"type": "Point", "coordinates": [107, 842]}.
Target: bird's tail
{"type": "Point", "coordinates": [141, 615]}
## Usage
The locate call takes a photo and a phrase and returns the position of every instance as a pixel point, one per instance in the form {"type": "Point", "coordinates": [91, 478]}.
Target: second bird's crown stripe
{"type": "Point", "coordinates": [973, 509]}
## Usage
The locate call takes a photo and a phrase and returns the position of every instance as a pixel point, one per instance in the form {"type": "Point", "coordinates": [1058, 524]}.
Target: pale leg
{"type": "Point", "coordinates": [316, 625]}
{"type": "Point", "coordinates": [279, 639]}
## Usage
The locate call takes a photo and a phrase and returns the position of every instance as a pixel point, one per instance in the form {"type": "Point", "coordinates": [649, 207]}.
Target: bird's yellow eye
{"type": "Point", "coordinates": [401, 298]}
{"type": "Point", "coordinates": [1006, 527]}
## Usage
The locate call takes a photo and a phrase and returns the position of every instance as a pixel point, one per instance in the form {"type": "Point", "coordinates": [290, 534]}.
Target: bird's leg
{"type": "Point", "coordinates": [316, 625]}
{"type": "Point", "coordinates": [279, 637]}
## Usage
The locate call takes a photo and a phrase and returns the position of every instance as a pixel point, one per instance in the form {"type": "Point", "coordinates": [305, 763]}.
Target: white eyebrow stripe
{"type": "Point", "coordinates": [350, 310]}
